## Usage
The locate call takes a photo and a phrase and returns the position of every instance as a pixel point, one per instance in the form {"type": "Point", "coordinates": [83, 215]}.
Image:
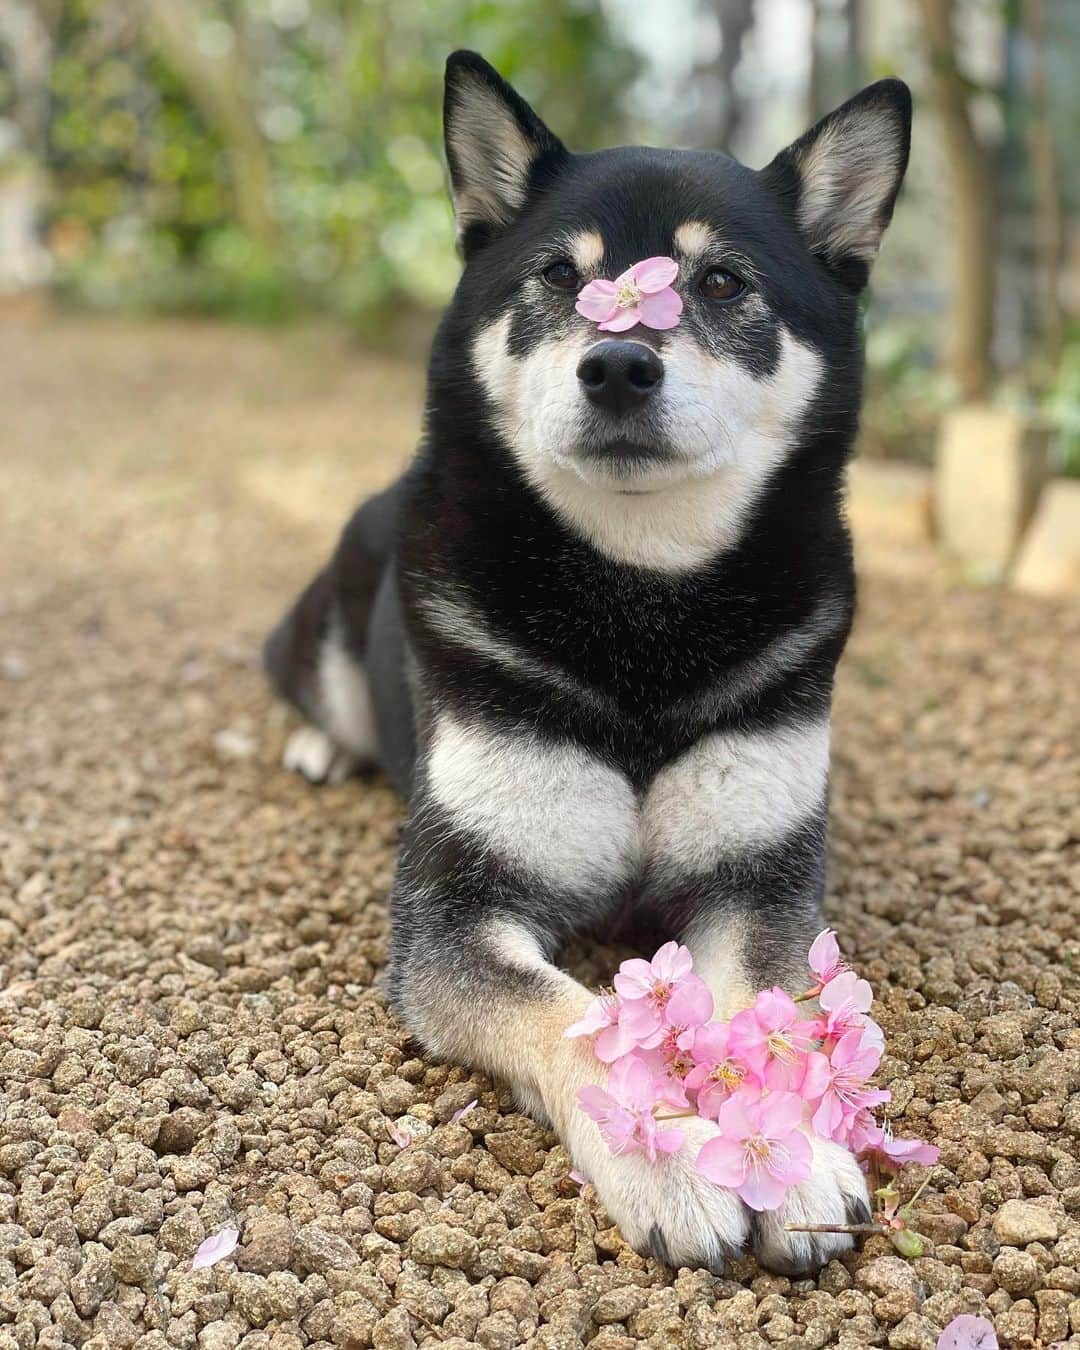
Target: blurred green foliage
{"type": "Point", "coordinates": [347, 105]}
{"type": "Point", "coordinates": [907, 391]}
{"type": "Point", "coordinates": [1061, 404]}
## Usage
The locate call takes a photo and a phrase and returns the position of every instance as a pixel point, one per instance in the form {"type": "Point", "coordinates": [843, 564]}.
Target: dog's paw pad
{"type": "Point", "coordinates": [834, 1193]}
{"type": "Point", "coordinates": [311, 752]}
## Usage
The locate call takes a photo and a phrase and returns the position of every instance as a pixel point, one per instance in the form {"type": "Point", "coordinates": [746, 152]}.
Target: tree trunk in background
{"type": "Point", "coordinates": [220, 88]}
{"type": "Point", "coordinates": [971, 304]}
{"type": "Point", "coordinates": [24, 261]}
{"type": "Point", "coordinates": [815, 98]}
{"type": "Point", "coordinates": [716, 81]}
{"type": "Point", "coordinates": [1049, 225]}
{"type": "Point", "coordinates": [854, 54]}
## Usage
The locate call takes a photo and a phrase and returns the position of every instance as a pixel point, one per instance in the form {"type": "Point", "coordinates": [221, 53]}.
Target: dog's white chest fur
{"type": "Point", "coordinates": [555, 811]}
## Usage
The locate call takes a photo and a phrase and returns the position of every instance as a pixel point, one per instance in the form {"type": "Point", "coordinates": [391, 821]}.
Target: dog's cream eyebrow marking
{"type": "Point", "coordinates": [587, 249]}
{"type": "Point", "coordinates": [694, 237]}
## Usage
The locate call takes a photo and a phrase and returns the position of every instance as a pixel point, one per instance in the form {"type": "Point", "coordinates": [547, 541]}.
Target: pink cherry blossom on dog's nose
{"type": "Point", "coordinates": [641, 294]}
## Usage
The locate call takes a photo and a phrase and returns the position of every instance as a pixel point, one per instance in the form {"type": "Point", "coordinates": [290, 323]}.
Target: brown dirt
{"type": "Point", "coordinates": [191, 1032]}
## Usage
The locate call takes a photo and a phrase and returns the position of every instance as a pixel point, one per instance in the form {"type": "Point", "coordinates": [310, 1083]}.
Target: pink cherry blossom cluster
{"type": "Point", "coordinates": [770, 1078]}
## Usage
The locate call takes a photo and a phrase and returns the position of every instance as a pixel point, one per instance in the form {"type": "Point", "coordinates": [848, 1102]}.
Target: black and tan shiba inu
{"type": "Point", "coordinates": [591, 633]}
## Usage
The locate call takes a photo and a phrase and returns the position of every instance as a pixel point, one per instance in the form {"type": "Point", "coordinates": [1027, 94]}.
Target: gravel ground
{"type": "Point", "coordinates": [191, 1031]}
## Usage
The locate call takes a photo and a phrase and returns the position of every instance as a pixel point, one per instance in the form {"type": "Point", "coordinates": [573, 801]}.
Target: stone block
{"type": "Point", "coordinates": [889, 502]}
{"type": "Point", "coordinates": [1049, 559]}
{"type": "Point", "coordinates": [990, 468]}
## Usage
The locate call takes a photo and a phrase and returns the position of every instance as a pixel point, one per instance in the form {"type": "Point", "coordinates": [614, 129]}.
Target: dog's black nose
{"type": "Point", "coordinates": [618, 375]}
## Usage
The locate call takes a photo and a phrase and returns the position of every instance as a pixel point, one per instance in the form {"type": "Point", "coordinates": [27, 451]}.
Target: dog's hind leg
{"type": "Point", "coordinates": [316, 658]}
{"type": "Point", "coordinates": [309, 662]}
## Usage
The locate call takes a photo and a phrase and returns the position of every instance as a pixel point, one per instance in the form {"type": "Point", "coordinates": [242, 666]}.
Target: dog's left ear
{"type": "Point", "coordinates": [496, 146]}
{"type": "Point", "coordinates": [841, 178]}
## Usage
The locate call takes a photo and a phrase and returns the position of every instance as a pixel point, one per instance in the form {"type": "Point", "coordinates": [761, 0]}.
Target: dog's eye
{"type": "Point", "coordinates": [720, 285]}
{"type": "Point", "coordinates": [562, 276]}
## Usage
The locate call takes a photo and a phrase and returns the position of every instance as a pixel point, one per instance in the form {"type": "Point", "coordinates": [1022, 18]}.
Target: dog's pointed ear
{"type": "Point", "coordinates": [496, 146]}
{"type": "Point", "coordinates": [841, 178]}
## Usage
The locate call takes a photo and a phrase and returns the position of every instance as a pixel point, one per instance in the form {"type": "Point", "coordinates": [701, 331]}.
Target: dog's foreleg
{"type": "Point", "coordinates": [488, 997]}
{"type": "Point", "coordinates": [741, 946]}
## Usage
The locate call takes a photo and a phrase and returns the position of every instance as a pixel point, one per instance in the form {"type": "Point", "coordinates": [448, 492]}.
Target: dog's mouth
{"type": "Point", "coordinates": [628, 465]}
{"type": "Point", "coordinates": [622, 450]}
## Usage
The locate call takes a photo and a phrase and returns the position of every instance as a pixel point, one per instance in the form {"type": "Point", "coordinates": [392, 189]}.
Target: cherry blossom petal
{"type": "Point", "coordinates": [460, 1114]}
{"type": "Point", "coordinates": [780, 1113]}
{"type": "Point", "coordinates": [614, 1042]}
{"type": "Point", "coordinates": [672, 962]}
{"type": "Point", "coordinates": [775, 1007]}
{"type": "Point", "coordinates": [661, 310]}
{"type": "Point", "coordinates": [620, 321]}
{"type": "Point", "coordinates": [734, 1119]}
{"type": "Point", "coordinates": [799, 1158]}
{"type": "Point", "coordinates": [873, 1038]}
{"type": "Point", "coordinates": [642, 1020]}
{"type": "Point", "coordinates": [968, 1332]}
{"type": "Point", "coordinates": [710, 1042]}
{"type": "Point", "coordinates": [654, 274]}
{"type": "Point", "coordinates": [829, 1120]}
{"type": "Point", "coordinates": [761, 1190]}
{"type": "Point", "coordinates": [816, 1077]}
{"type": "Point", "coordinates": [824, 959]}
{"type": "Point", "coordinates": [670, 1141]}
{"type": "Point", "coordinates": [846, 991]}
{"type": "Point", "coordinates": [690, 1005]}
{"type": "Point", "coordinates": [594, 1101]}
{"type": "Point", "coordinates": [596, 1016]}
{"type": "Point", "coordinates": [635, 978]}
{"type": "Point", "coordinates": [865, 1134]}
{"type": "Point", "coordinates": [631, 1081]}
{"type": "Point", "coordinates": [670, 1092]}
{"type": "Point", "coordinates": [597, 300]}
{"type": "Point", "coordinates": [217, 1248]}
{"type": "Point", "coordinates": [911, 1151]}
{"type": "Point", "coordinates": [722, 1161]}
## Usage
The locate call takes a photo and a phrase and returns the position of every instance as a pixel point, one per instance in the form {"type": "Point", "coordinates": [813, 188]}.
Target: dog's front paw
{"type": "Point", "coordinates": [666, 1208]}
{"type": "Point", "coordinates": [834, 1193]}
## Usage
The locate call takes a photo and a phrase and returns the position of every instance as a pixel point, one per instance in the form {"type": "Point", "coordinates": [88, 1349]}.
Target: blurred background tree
{"type": "Point", "coordinates": [262, 158]}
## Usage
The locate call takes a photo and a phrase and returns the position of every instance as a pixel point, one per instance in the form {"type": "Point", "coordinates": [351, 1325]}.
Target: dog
{"type": "Point", "coordinates": [591, 633]}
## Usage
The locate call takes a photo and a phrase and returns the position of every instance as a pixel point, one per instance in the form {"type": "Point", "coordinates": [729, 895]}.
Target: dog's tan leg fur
{"type": "Point", "coordinates": [513, 1028]}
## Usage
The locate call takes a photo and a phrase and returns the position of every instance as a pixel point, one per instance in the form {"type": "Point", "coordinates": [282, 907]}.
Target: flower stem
{"type": "Point", "coordinates": [835, 1228]}
{"type": "Point", "coordinates": [919, 1192]}
{"type": "Point", "coordinates": [674, 1115]}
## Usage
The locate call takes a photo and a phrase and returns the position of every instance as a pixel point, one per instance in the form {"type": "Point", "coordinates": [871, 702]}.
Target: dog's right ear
{"type": "Point", "coordinates": [839, 181]}
{"type": "Point", "coordinates": [496, 146]}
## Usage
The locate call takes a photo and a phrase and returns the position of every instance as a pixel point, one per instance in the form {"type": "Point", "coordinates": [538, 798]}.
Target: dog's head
{"type": "Point", "coordinates": [770, 265]}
